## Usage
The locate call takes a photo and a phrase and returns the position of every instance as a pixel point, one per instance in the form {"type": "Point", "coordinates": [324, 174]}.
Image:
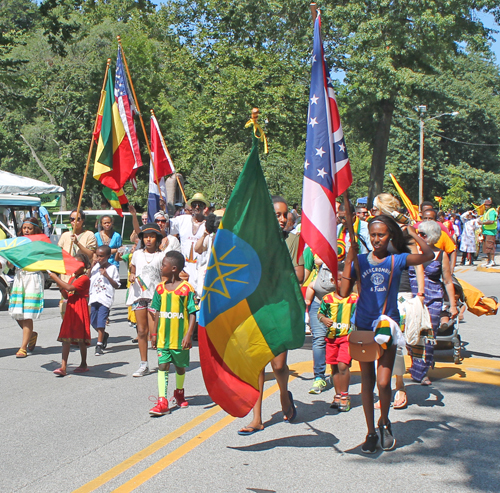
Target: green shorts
{"type": "Point", "coordinates": [179, 357]}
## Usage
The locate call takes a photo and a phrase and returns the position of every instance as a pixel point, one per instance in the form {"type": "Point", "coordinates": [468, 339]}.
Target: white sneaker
{"type": "Point", "coordinates": [142, 370]}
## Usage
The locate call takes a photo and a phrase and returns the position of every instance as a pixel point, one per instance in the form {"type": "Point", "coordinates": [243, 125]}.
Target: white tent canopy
{"type": "Point", "coordinates": [11, 183]}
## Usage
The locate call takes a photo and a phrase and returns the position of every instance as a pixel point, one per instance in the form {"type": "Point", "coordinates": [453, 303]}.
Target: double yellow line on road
{"type": "Point", "coordinates": [477, 370]}
{"type": "Point", "coordinates": [167, 460]}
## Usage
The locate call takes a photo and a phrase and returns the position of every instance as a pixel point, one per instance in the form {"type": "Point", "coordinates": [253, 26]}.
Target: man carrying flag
{"type": "Point", "coordinates": [252, 310]}
{"type": "Point", "coordinates": [327, 171]}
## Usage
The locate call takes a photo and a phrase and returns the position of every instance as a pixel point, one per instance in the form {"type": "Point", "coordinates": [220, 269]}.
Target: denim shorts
{"type": "Point", "coordinates": [98, 315]}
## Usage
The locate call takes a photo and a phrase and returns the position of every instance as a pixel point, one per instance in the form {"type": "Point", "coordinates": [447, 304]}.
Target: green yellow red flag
{"type": "Point", "coordinates": [251, 308]}
{"type": "Point", "coordinates": [115, 199]}
{"type": "Point", "coordinates": [36, 252]}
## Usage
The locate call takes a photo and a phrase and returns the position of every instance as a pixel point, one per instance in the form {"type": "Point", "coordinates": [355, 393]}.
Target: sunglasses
{"type": "Point", "coordinates": [160, 221]}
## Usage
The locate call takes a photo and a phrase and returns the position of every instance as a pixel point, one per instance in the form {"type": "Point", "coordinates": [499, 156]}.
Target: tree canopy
{"type": "Point", "coordinates": [202, 66]}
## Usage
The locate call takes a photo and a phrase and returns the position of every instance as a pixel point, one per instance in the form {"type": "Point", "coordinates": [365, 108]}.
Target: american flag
{"type": "Point", "coordinates": [127, 109]}
{"type": "Point", "coordinates": [327, 172]}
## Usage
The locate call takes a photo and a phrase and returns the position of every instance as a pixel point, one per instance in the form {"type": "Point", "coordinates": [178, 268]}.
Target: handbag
{"type": "Point", "coordinates": [362, 344]}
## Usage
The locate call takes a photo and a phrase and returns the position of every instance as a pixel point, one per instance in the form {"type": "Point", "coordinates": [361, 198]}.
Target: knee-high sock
{"type": "Point", "coordinates": [162, 383]}
{"type": "Point", "coordinates": [179, 380]}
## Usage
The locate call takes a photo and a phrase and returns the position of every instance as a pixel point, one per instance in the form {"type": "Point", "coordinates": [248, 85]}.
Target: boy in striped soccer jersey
{"type": "Point", "coordinates": [174, 310]}
{"type": "Point", "coordinates": [336, 313]}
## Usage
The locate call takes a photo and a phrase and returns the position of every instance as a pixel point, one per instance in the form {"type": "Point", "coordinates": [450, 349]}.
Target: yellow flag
{"type": "Point", "coordinates": [412, 209]}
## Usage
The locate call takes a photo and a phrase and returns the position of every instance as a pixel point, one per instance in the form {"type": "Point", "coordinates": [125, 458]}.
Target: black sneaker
{"type": "Point", "coordinates": [387, 441]}
{"type": "Point", "coordinates": [370, 445]}
{"type": "Point", "coordinates": [99, 350]}
{"type": "Point", "coordinates": [105, 340]}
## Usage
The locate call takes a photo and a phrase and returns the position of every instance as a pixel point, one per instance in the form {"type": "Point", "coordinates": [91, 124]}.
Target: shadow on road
{"type": "Point", "coordinates": [95, 371]}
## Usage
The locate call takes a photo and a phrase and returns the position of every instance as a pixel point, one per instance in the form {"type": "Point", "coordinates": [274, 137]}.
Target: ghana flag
{"type": "Point", "coordinates": [251, 308]}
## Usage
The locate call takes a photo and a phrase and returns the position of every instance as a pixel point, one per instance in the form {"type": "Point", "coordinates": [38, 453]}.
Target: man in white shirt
{"type": "Point", "coordinates": [190, 228]}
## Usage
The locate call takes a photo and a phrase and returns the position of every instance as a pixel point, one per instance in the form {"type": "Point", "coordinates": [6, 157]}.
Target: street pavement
{"type": "Point", "coordinates": [92, 432]}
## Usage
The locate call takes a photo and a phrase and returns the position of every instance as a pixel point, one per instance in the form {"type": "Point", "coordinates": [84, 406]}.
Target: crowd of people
{"type": "Point", "coordinates": [390, 275]}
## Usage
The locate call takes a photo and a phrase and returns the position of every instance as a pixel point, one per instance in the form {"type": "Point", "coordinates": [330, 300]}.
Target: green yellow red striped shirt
{"type": "Point", "coordinates": [340, 311]}
{"type": "Point", "coordinates": [174, 308]}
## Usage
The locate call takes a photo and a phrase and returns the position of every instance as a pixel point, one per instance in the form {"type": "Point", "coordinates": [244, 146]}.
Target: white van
{"type": "Point", "coordinates": [13, 209]}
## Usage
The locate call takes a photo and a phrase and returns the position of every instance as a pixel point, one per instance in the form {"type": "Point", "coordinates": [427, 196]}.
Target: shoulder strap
{"type": "Point", "coordinates": [389, 285]}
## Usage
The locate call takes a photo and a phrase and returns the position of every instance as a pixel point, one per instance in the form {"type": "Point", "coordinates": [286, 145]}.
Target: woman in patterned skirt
{"type": "Point", "coordinates": [26, 296]}
{"type": "Point", "coordinates": [434, 271]}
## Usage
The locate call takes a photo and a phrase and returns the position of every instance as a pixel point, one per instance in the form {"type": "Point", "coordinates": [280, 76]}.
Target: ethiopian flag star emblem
{"type": "Point", "coordinates": [251, 307]}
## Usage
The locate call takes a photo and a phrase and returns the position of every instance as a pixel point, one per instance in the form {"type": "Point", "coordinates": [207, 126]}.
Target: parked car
{"type": "Point", "coordinates": [13, 209]}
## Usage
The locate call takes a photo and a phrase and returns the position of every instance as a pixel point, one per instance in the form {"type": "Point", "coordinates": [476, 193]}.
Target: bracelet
{"type": "Point", "coordinates": [348, 278]}
{"type": "Point", "coordinates": [420, 294]}
{"type": "Point", "coordinates": [153, 335]}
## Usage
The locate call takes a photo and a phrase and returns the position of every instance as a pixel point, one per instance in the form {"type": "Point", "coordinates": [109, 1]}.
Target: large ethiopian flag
{"type": "Point", "coordinates": [252, 308]}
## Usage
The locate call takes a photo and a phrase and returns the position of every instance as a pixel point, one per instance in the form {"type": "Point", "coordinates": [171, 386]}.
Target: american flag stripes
{"type": "Point", "coordinates": [327, 172]}
{"type": "Point", "coordinates": [127, 109]}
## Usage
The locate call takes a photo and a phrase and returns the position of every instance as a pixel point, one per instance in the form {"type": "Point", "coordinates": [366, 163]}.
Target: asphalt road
{"type": "Point", "coordinates": [92, 432]}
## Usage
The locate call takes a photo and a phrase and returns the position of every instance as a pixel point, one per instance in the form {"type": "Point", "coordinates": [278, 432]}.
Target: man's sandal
{"type": "Point", "coordinates": [22, 353]}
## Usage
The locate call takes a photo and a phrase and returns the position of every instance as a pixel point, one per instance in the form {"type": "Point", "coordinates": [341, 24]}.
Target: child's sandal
{"type": "Point", "coordinates": [345, 403]}
{"type": "Point", "coordinates": [336, 402]}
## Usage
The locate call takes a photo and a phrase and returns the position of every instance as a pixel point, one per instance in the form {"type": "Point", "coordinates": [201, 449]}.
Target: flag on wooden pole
{"type": "Point", "coordinates": [327, 171]}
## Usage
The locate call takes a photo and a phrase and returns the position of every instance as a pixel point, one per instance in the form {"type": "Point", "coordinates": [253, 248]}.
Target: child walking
{"type": "Point", "coordinates": [75, 327]}
{"type": "Point", "coordinates": [336, 313]}
{"type": "Point", "coordinates": [145, 275]}
{"type": "Point", "coordinates": [174, 312]}
{"type": "Point", "coordinates": [104, 279]}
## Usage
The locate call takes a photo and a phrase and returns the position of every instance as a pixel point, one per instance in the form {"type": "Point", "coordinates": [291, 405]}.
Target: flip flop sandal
{"type": "Point", "coordinates": [22, 353]}
{"type": "Point", "coordinates": [59, 373]}
{"type": "Point", "coordinates": [253, 430]}
{"type": "Point", "coordinates": [398, 403]}
{"type": "Point", "coordinates": [32, 343]}
{"type": "Point", "coordinates": [81, 370]}
{"type": "Point", "coordinates": [292, 418]}
{"type": "Point", "coordinates": [426, 381]}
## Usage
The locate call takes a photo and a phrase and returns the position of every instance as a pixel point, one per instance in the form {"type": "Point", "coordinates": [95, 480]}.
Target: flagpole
{"type": "Point", "coordinates": [175, 172]}
{"type": "Point", "coordinates": [92, 139]}
{"type": "Point", "coordinates": [347, 203]}
{"type": "Point", "coordinates": [139, 111]}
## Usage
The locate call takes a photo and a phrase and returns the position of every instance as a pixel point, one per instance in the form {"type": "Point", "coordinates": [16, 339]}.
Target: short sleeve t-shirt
{"type": "Point", "coordinates": [147, 273]}
{"type": "Point", "coordinates": [490, 215]}
{"type": "Point", "coordinates": [340, 311]}
{"type": "Point", "coordinates": [292, 242]}
{"type": "Point", "coordinates": [175, 308]}
{"type": "Point", "coordinates": [101, 290]}
{"type": "Point", "coordinates": [374, 283]}
{"type": "Point", "coordinates": [445, 243]}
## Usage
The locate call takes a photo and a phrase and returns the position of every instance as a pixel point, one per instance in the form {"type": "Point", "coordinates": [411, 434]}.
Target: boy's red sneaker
{"type": "Point", "coordinates": [179, 398]}
{"type": "Point", "coordinates": [161, 407]}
